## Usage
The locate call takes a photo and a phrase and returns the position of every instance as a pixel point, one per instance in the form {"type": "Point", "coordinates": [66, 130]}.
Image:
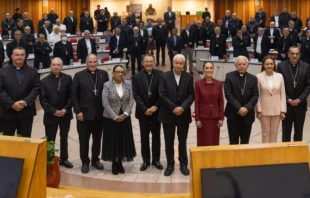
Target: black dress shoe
{"type": "Point", "coordinates": [184, 170]}
{"type": "Point", "coordinates": [169, 170]}
{"type": "Point", "coordinates": [120, 167]}
{"type": "Point", "coordinates": [66, 163]}
{"type": "Point", "coordinates": [98, 165]}
{"type": "Point", "coordinates": [158, 165]}
{"type": "Point", "coordinates": [114, 168]}
{"type": "Point", "coordinates": [85, 168]}
{"type": "Point", "coordinates": [144, 166]}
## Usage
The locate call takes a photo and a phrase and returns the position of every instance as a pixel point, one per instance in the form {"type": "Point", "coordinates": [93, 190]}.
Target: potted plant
{"type": "Point", "coordinates": [53, 172]}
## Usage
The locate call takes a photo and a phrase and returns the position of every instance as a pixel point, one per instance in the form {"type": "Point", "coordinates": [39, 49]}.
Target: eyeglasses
{"type": "Point", "coordinates": [119, 72]}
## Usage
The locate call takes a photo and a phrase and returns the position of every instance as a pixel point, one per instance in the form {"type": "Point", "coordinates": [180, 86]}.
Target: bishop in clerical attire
{"type": "Point", "coordinates": [87, 96]}
{"type": "Point", "coordinates": [296, 76]}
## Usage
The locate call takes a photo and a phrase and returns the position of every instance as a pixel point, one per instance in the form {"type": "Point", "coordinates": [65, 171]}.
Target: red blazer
{"type": "Point", "coordinates": [209, 100]}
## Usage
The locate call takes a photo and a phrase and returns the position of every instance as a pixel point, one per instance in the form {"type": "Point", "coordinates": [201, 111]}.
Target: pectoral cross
{"type": "Point", "coordinates": [95, 91]}
{"type": "Point", "coordinates": [294, 83]}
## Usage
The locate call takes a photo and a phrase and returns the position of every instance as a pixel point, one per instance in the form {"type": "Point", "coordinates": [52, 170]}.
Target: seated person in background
{"type": "Point", "coordinates": [240, 43]}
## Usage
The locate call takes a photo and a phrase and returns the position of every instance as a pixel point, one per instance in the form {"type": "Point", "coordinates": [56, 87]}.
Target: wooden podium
{"type": "Point", "coordinates": [243, 155]}
{"type": "Point", "coordinates": [33, 151]}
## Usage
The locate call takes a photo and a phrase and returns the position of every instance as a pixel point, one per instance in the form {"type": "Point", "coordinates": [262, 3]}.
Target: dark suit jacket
{"type": "Point", "coordinates": [264, 45]}
{"type": "Point", "coordinates": [169, 21]}
{"type": "Point", "coordinates": [160, 34]}
{"type": "Point", "coordinates": [209, 105]}
{"type": "Point", "coordinates": [234, 25]}
{"type": "Point", "coordinates": [276, 33]}
{"type": "Point", "coordinates": [41, 23]}
{"type": "Point", "coordinates": [29, 23]}
{"type": "Point", "coordinates": [102, 21]}
{"type": "Point", "coordinates": [13, 44]}
{"type": "Point", "coordinates": [52, 18]}
{"type": "Point", "coordinates": [260, 17]}
{"type": "Point", "coordinates": [294, 35]}
{"type": "Point", "coordinates": [226, 19]}
{"type": "Point", "coordinates": [70, 25]}
{"type": "Point", "coordinates": [83, 97]}
{"type": "Point", "coordinates": [114, 22]}
{"type": "Point", "coordinates": [209, 28]}
{"type": "Point", "coordinates": [87, 24]}
{"type": "Point", "coordinates": [169, 100]}
{"type": "Point", "coordinates": [132, 48]}
{"type": "Point", "coordinates": [280, 44]}
{"type": "Point", "coordinates": [53, 98]}
{"type": "Point", "coordinates": [11, 90]}
{"type": "Point", "coordinates": [171, 47]}
{"type": "Point", "coordinates": [140, 92]}
{"type": "Point", "coordinates": [297, 23]}
{"type": "Point", "coordinates": [6, 26]}
{"type": "Point", "coordinates": [42, 31]}
{"type": "Point", "coordinates": [252, 27]}
{"type": "Point", "coordinates": [235, 99]}
{"type": "Point", "coordinates": [17, 28]}
{"type": "Point", "coordinates": [2, 56]}
{"type": "Point", "coordinates": [305, 49]}
{"type": "Point", "coordinates": [82, 51]}
{"type": "Point", "coordinates": [29, 39]}
{"type": "Point", "coordinates": [201, 35]}
{"type": "Point", "coordinates": [60, 51]}
{"type": "Point", "coordinates": [42, 55]}
{"type": "Point", "coordinates": [113, 45]}
{"type": "Point", "coordinates": [219, 50]}
{"type": "Point", "coordinates": [240, 46]}
{"type": "Point", "coordinates": [131, 21]}
{"type": "Point", "coordinates": [126, 31]}
{"type": "Point", "coordinates": [284, 18]}
{"type": "Point", "coordinates": [188, 40]}
{"type": "Point", "coordinates": [302, 89]}
{"type": "Point", "coordinates": [145, 38]}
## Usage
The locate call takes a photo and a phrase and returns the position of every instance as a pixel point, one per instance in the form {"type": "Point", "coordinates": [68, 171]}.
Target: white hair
{"type": "Point", "coordinates": [179, 56]}
{"type": "Point", "coordinates": [241, 57]}
{"type": "Point", "coordinates": [57, 59]}
{"type": "Point", "coordinates": [135, 28]}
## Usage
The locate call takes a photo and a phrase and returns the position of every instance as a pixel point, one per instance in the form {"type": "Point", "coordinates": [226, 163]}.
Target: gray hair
{"type": "Point", "coordinates": [135, 28]}
{"type": "Point", "coordinates": [179, 56]}
{"type": "Point", "coordinates": [240, 58]}
{"type": "Point", "coordinates": [86, 31]}
{"type": "Point", "coordinates": [57, 59]}
{"type": "Point", "coordinates": [86, 61]}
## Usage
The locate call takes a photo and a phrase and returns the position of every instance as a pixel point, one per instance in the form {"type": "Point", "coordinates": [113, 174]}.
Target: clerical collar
{"type": "Point", "coordinates": [149, 73]}
{"type": "Point", "coordinates": [92, 72]}
{"type": "Point", "coordinates": [293, 65]}
{"type": "Point", "coordinates": [55, 75]}
{"type": "Point", "coordinates": [242, 75]}
{"type": "Point", "coordinates": [18, 68]}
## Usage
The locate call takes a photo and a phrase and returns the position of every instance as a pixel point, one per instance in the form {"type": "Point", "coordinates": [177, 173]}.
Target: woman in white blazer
{"type": "Point", "coordinates": [271, 105]}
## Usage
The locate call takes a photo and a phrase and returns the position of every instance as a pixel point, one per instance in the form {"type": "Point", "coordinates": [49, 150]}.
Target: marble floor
{"type": "Point", "coordinates": [149, 181]}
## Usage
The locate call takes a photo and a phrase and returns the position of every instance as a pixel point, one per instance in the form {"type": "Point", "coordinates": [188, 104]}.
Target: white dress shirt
{"type": "Point", "coordinates": [187, 32]}
{"type": "Point", "coordinates": [142, 32]}
{"type": "Point", "coordinates": [119, 89]}
{"type": "Point", "coordinates": [258, 44]}
{"type": "Point", "coordinates": [169, 14]}
{"type": "Point", "coordinates": [177, 78]}
{"type": "Point", "coordinates": [270, 82]}
{"type": "Point", "coordinates": [117, 38]}
{"type": "Point", "coordinates": [88, 46]}
{"type": "Point", "coordinates": [271, 34]}
{"type": "Point", "coordinates": [276, 19]}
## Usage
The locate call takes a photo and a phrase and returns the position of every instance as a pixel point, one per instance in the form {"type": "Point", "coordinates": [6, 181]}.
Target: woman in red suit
{"type": "Point", "coordinates": [209, 108]}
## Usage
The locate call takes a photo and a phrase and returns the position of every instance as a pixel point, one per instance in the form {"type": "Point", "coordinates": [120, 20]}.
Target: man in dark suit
{"type": "Point", "coordinates": [143, 32]}
{"type": "Point", "coordinates": [241, 92]}
{"type": "Point", "coordinates": [17, 42]}
{"type": "Point", "coordinates": [115, 21]}
{"type": "Point", "coordinates": [87, 104]}
{"type": "Point", "coordinates": [135, 49]}
{"type": "Point", "coordinates": [252, 27]}
{"type": "Point", "coordinates": [85, 47]}
{"type": "Point", "coordinates": [273, 35]}
{"type": "Point", "coordinates": [297, 21]}
{"type": "Point", "coordinates": [260, 17]}
{"type": "Point", "coordinates": [200, 35]}
{"type": "Point", "coordinates": [160, 34]}
{"type": "Point", "coordinates": [284, 18]}
{"type": "Point", "coordinates": [293, 33]}
{"type": "Point", "coordinates": [205, 14]}
{"type": "Point", "coordinates": [28, 22]}
{"type": "Point", "coordinates": [55, 99]}
{"type": "Point", "coordinates": [2, 56]}
{"type": "Point", "coordinates": [169, 18]}
{"type": "Point", "coordinates": [209, 26]}
{"type": "Point", "coordinates": [305, 48]}
{"type": "Point", "coordinates": [224, 30]}
{"type": "Point", "coordinates": [63, 50]}
{"type": "Point", "coordinates": [19, 26]}
{"type": "Point", "coordinates": [240, 44]}
{"type": "Point", "coordinates": [117, 44]}
{"type": "Point", "coordinates": [275, 18]}
{"type": "Point", "coordinates": [29, 40]}
{"type": "Point", "coordinates": [261, 45]}
{"type": "Point", "coordinates": [234, 24]}
{"type": "Point", "coordinates": [226, 19]}
{"type": "Point", "coordinates": [188, 38]}
{"type": "Point", "coordinates": [19, 88]}
{"type": "Point", "coordinates": [52, 16]}
{"type": "Point", "coordinates": [70, 22]}
{"type": "Point", "coordinates": [126, 31]}
{"type": "Point", "coordinates": [145, 92]}
{"type": "Point", "coordinates": [174, 45]}
{"type": "Point", "coordinates": [17, 15]}
{"type": "Point", "coordinates": [296, 76]}
{"type": "Point", "coordinates": [87, 23]}
{"type": "Point", "coordinates": [45, 29]}
{"type": "Point", "coordinates": [284, 43]}
{"type": "Point", "coordinates": [218, 44]}
{"type": "Point", "coordinates": [7, 25]}
{"type": "Point", "coordinates": [131, 20]}
{"type": "Point", "coordinates": [176, 92]}
{"type": "Point", "coordinates": [246, 34]}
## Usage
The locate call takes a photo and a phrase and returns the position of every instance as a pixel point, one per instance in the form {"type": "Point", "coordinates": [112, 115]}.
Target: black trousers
{"type": "Point", "coordinates": [161, 45]}
{"type": "Point", "coordinates": [85, 129]}
{"type": "Point", "coordinates": [51, 132]}
{"type": "Point", "coordinates": [298, 120]}
{"type": "Point", "coordinates": [169, 132]}
{"type": "Point", "coordinates": [238, 131]}
{"type": "Point", "coordinates": [171, 60]}
{"type": "Point", "coordinates": [134, 57]}
{"type": "Point", "coordinates": [260, 57]}
{"type": "Point", "coordinates": [150, 124]}
{"type": "Point", "coordinates": [23, 126]}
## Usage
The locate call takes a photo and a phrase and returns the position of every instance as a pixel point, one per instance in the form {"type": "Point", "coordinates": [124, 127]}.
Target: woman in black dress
{"type": "Point", "coordinates": [117, 99]}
